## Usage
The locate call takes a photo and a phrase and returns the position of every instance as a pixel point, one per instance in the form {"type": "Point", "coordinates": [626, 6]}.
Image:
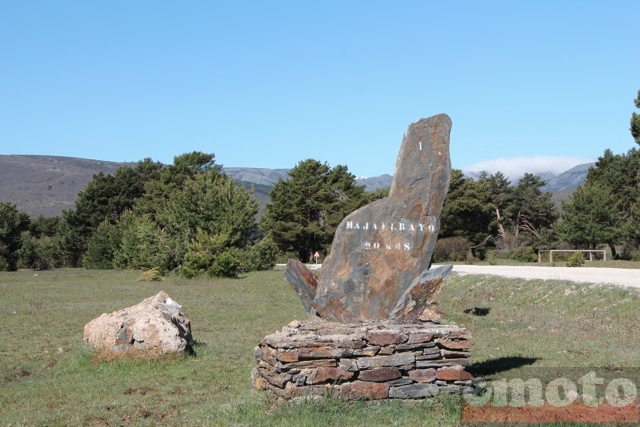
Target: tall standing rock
{"type": "Point", "coordinates": [380, 251]}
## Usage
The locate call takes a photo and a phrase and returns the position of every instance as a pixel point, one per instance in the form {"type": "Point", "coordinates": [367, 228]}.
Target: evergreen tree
{"type": "Point", "coordinates": [42, 226]}
{"type": "Point", "coordinates": [589, 217]}
{"type": "Point", "coordinates": [106, 197]}
{"type": "Point", "coordinates": [172, 177]}
{"type": "Point", "coordinates": [620, 175]}
{"type": "Point", "coordinates": [12, 224]}
{"type": "Point", "coordinates": [530, 210]}
{"type": "Point", "coordinates": [306, 209]}
{"type": "Point", "coordinates": [102, 247]}
{"type": "Point", "coordinates": [263, 255]}
{"type": "Point", "coordinates": [501, 199]}
{"type": "Point", "coordinates": [635, 121]}
{"type": "Point", "coordinates": [140, 243]}
{"type": "Point", "coordinates": [209, 205]}
{"type": "Point", "coordinates": [27, 256]}
{"type": "Point", "coordinates": [69, 243]}
{"type": "Point", "coordinates": [468, 210]}
{"type": "Point", "coordinates": [492, 211]}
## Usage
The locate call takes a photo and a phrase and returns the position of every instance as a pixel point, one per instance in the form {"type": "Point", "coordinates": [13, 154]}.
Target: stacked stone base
{"type": "Point", "coordinates": [371, 360]}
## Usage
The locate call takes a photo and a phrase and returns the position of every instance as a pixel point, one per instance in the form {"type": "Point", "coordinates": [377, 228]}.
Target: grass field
{"type": "Point", "coordinates": [48, 378]}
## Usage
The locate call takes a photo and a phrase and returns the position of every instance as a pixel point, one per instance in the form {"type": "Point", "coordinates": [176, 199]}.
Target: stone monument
{"type": "Point", "coordinates": [367, 339]}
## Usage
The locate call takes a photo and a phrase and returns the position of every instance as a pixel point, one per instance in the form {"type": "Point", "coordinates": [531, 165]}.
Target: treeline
{"type": "Point", "coordinates": [190, 219]}
{"type": "Point", "coordinates": [187, 218]}
{"type": "Point", "coordinates": [490, 217]}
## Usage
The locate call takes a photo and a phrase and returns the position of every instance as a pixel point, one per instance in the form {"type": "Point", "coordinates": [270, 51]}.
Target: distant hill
{"type": "Point", "coordinates": [570, 179]}
{"type": "Point", "coordinates": [45, 185]}
{"type": "Point", "coordinates": [258, 176]}
{"type": "Point", "coordinates": [376, 182]}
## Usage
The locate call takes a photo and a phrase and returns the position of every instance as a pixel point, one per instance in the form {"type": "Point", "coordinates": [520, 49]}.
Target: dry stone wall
{"type": "Point", "coordinates": [376, 361]}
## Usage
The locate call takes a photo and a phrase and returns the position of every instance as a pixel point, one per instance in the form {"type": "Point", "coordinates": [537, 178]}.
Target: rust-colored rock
{"type": "Point", "coordinates": [448, 374]}
{"type": "Point", "coordinates": [455, 344]}
{"type": "Point", "coordinates": [380, 374]}
{"type": "Point", "coordinates": [385, 338]}
{"type": "Point", "coordinates": [323, 375]}
{"type": "Point", "coordinates": [419, 337]}
{"type": "Point", "coordinates": [323, 353]}
{"type": "Point", "coordinates": [420, 294]}
{"type": "Point", "coordinates": [288, 356]}
{"type": "Point", "coordinates": [363, 389]}
{"type": "Point", "coordinates": [387, 350]}
{"type": "Point", "coordinates": [423, 375]}
{"type": "Point", "coordinates": [303, 282]}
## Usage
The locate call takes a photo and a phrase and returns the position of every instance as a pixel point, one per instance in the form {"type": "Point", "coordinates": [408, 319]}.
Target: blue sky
{"type": "Point", "coordinates": [268, 84]}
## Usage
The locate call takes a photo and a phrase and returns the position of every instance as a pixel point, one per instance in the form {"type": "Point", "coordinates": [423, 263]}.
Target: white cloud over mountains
{"type": "Point", "coordinates": [516, 167]}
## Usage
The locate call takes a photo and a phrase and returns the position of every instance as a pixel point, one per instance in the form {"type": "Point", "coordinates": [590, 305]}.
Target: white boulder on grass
{"type": "Point", "coordinates": [155, 327]}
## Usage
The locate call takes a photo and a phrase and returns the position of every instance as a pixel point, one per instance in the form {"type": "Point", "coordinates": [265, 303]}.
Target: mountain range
{"type": "Point", "coordinates": [45, 185]}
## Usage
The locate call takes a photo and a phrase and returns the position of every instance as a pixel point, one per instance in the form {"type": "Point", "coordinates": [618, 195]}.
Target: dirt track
{"type": "Point", "coordinates": [613, 276]}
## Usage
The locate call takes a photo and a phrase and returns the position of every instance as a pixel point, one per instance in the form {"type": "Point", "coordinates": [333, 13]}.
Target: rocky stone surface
{"type": "Point", "coordinates": [370, 360]}
{"type": "Point", "coordinates": [377, 268]}
{"type": "Point", "coordinates": [155, 327]}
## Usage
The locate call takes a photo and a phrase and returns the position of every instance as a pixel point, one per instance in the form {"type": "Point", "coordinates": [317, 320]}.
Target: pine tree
{"type": "Point", "coordinates": [209, 206]}
{"type": "Point", "coordinates": [305, 210]}
{"type": "Point", "coordinates": [589, 217]}
{"type": "Point", "coordinates": [468, 211]}
{"type": "Point", "coordinates": [635, 121]}
{"type": "Point", "coordinates": [530, 210]}
{"type": "Point", "coordinates": [12, 224]}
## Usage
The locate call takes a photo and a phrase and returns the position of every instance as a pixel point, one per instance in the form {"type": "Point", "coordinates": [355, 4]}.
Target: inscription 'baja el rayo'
{"type": "Point", "coordinates": [378, 268]}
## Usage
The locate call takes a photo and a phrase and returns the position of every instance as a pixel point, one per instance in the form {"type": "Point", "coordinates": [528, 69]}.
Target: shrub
{"type": "Point", "coordinates": [152, 275]}
{"type": "Point", "coordinates": [263, 255]}
{"type": "Point", "coordinates": [46, 252]}
{"type": "Point", "coordinates": [521, 254]}
{"type": "Point", "coordinates": [492, 256]}
{"type": "Point", "coordinates": [209, 254]}
{"type": "Point", "coordinates": [575, 260]}
{"type": "Point", "coordinates": [195, 264]}
{"type": "Point", "coordinates": [226, 264]}
{"type": "Point", "coordinates": [451, 249]}
{"type": "Point", "coordinates": [4, 264]}
{"type": "Point", "coordinates": [629, 254]}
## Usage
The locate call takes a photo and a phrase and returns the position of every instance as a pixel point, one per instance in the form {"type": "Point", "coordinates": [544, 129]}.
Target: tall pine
{"type": "Point", "coordinates": [306, 209]}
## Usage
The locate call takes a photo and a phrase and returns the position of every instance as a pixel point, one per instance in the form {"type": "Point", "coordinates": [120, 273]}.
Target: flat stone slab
{"type": "Point", "coordinates": [377, 268]}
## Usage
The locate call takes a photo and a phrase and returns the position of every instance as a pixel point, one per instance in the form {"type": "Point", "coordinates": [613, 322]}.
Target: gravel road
{"type": "Point", "coordinates": [613, 276]}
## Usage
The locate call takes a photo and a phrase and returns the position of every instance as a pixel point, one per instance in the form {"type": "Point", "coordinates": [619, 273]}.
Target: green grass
{"type": "Point", "coordinates": [47, 377]}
